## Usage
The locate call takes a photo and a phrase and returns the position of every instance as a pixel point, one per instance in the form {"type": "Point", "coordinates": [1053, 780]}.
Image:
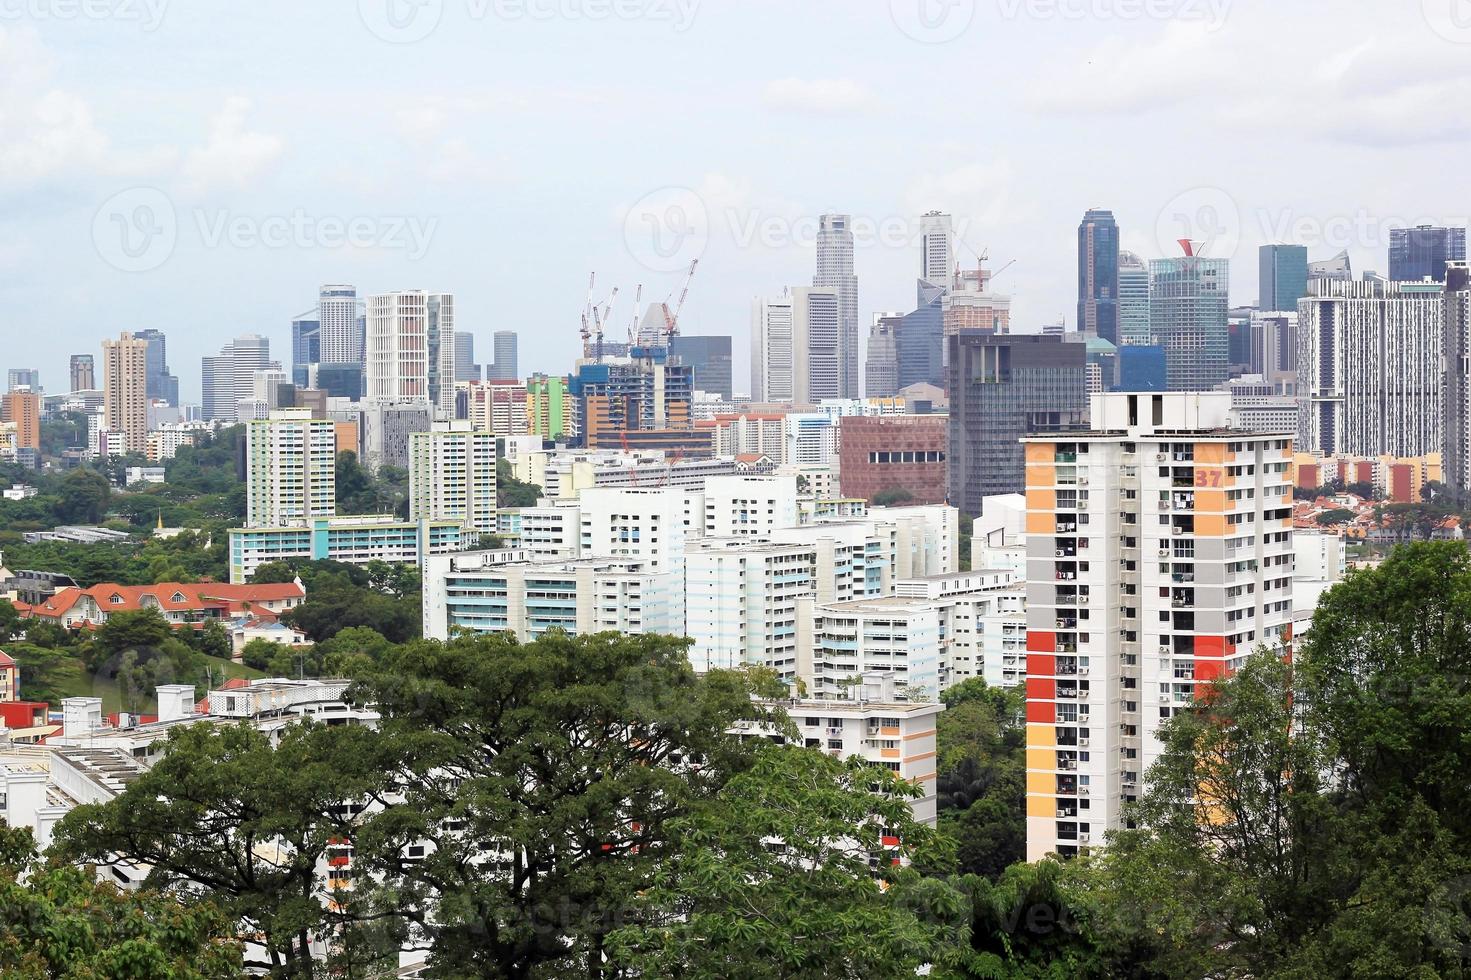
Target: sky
{"type": "Point", "coordinates": [202, 166]}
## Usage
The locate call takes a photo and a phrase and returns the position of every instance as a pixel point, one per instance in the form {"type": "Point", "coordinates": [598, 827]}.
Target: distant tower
{"type": "Point", "coordinates": [341, 325]}
{"type": "Point", "coordinates": [83, 373]}
{"type": "Point", "coordinates": [503, 345]}
{"type": "Point", "coordinates": [771, 349]}
{"type": "Point", "coordinates": [161, 384]}
{"type": "Point", "coordinates": [835, 271]}
{"type": "Point", "coordinates": [1283, 277]}
{"type": "Point", "coordinates": [125, 389]}
{"type": "Point", "coordinates": [1189, 316]}
{"type": "Point", "coordinates": [1134, 328]}
{"type": "Point", "coordinates": [937, 249]}
{"type": "Point", "coordinates": [1098, 275]}
{"type": "Point", "coordinates": [1423, 251]}
{"type": "Point", "coordinates": [406, 360]}
{"type": "Point", "coordinates": [465, 367]}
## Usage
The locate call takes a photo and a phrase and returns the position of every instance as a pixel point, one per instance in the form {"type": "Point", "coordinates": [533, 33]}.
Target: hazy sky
{"type": "Point", "coordinates": [202, 166]}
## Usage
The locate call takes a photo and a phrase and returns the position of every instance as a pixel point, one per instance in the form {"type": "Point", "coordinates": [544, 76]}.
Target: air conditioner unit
{"type": "Point", "coordinates": [1164, 552]}
{"type": "Point", "coordinates": [1165, 651]}
{"type": "Point", "coordinates": [1082, 671]}
{"type": "Point", "coordinates": [1063, 813]}
{"type": "Point", "coordinates": [1082, 717]}
{"type": "Point", "coordinates": [1059, 552]}
{"type": "Point", "coordinates": [1165, 699]}
{"type": "Point", "coordinates": [1177, 529]}
{"type": "Point", "coordinates": [1083, 742]}
{"type": "Point", "coordinates": [1082, 481]}
{"type": "Point", "coordinates": [1164, 505]}
{"type": "Point", "coordinates": [1082, 791]}
{"type": "Point", "coordinates": [1083, 838]}
{"type": "Point", "coordinates": [1083, 599]}
{"type": "Point", "coordinates": [1161, 457]}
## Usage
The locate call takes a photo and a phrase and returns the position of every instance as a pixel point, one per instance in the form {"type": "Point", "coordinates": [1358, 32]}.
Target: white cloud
{"type": "Point", "coordinates": [234, 155]}
{"type": "Point", "coordinates": [826, 95]}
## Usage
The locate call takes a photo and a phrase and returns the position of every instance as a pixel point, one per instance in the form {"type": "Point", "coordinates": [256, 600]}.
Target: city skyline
{"type": "Point", "coordinates": [231, 157]}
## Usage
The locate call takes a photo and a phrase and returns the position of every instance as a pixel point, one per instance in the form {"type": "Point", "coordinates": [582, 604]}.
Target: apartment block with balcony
{"type": "Point", "coordinates": [1159, 556]}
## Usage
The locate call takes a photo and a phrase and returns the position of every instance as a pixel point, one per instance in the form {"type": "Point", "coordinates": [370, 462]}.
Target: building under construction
{"type": "Point", "coordinates": [640, 402]}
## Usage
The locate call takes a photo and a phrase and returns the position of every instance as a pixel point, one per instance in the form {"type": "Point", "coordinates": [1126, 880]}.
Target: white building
{"type": "Point", "coordinates": [548, 532]}
{"type": "Point", "coordinates": [772, 337]}
{"type": "Point", "coordinates": [1160, 556]}
{"type": "Point", "coordinates": [835, 271]}
{"type": "Point", "coordinates": [341, 337]}
{"type": "Point", "coordinates": [749, 506]}
{"type": "Point", "coordinates": [290, 469]}
{"type": "Point", "coordinates": [410, 349]}
{"type": "Point", "coordinates": [1257, 405]}
{"type": "Point", "coordinates": [937, 248]}
{"type": "Point", "coordinates": [816, 344]}
{"type": "Point", "coordinates": [742, 602]}
{"type": "Point", "coordinates": [452, 476]}
{"type": "Point", "coordinates": [985, 625]}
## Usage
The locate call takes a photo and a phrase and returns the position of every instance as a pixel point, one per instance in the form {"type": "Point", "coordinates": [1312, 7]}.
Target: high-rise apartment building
{"type": "Point", "coordinates": [835, 271]}
{"type": "Point", "coordinates": [1098, 275]}
{"type": "Point", "coordinates": [1134, 326]}
{"type": "Point", "coordinates": [1189, 309]}
{"type": "Point", "coordinates": [452, 476]}
{"type": "Point", "coordinates": [709, 359]}
{"type": "Point", "coordinates": [161, 384]}
{"type": "Point", "coordinates": [1283, 277]}
{"type": "Point", "coordinates": [1159, 557]}
{"type": "Point", "coordinates": [403, 349]}
{"type": "Point", "coordinates": [23, 410]}
{"type": "Point", "coordinates": [83, 373]}
{"type": "Point", "coordinates": [506, 366]}
{"type": "Point", "coordinates": [548, 408]}
{"type": "Point", "coordinates": [1457, 344]}
{"type": "Point", "coordinates": [125, 389]}
{"type": "Point", "coordinates": [1420, 253]}
{"type": "Point", "coordinates": [290, 469]}
{"type": "Point", "coordinates": [936, 248]}
{"type": "Point", "coordinates": [817, 354]}
{"type": "Point", "coordinates": [1003, 386]}
{"type": "Point", "coordinates": [1370, 374]}
{"type": "Point", "coordinates": [341, 324]}
{"type": "Point", "coordinates": [771, 349]}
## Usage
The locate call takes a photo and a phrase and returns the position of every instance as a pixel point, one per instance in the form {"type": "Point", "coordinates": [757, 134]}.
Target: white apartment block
{"type": "Point", "coordinates": [642, 525]}
{"type": "Point", "coordinates": [741, 602]}
{"type": "Point", "coordinates": [410, 349]}
{"type": "Point", "coordinates": [548, 532]}
{"type": "Point", "coordinates": [452, 476]}
{"type": "Point", "coordinates": [986, 632]}
{"type": "Point", "coordinates": [1160, 555]}
{"type": "Point", "coordinates": [563, 474]}
{"type": "Point", "coordinates": [749, 506]}
{"type": "Point", "coordinates": [898, 637]}
{"type": "Point", "coordinates": [290, 469]}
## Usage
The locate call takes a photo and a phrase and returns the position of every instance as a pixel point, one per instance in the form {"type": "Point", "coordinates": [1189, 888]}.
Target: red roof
{"type": "Point", "coordinates": [5, 660]}
{"type": "Point", "coordinates": [23, 714]}
{"type": "Point", "coordinates": [168, 596]}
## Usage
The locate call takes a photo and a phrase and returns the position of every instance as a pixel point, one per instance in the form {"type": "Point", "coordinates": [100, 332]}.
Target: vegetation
{"type": "Point", "coordinates": [891, 497]}
{"type": "Point", "coordinates": [511, 492]}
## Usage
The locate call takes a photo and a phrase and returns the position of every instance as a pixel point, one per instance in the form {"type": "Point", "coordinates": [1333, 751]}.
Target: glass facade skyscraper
{"type": "Point", "coordinates": [1134, 328]}
{"type": "Point", "coordinates": [1283, 277]}
{"type": "Point", "coordinates": [1098, 275]}
{"type": "Point", "coordinates": [710, 359]}
{"type": "Point", "coordinates": [1189, 310]}
{"type": "Point", "coordinates": [1422, 252]}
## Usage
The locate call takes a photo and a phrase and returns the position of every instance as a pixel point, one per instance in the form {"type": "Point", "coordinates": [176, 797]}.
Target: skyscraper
{"type": "Point", "coordinates": [83, 373]}
{"type": "Point", "coordinates": [342, 327]}
{"type": "Point", "coordinates": [440, 308]}
{"type": "Point", "coordinates": [398, 348]}
{"type": "Point", "coordinates": [1339, 267]}
{"type": "Point", "coordinates": [465, 367]}
{"type": "Point", "coordinates": [1370, 374]}
{"type": "Point", "coordinates": [919, 342]}
{"type": "Point", "coordinates": [936, 248]}
{"type": "Point", "coordinates": [709, 357]}
{"type": "Point", "coordinates": [125, 389]}
{"type": "Point", "coordinates": [1134, 326]}
{"type": "Point", "coordinates": [306, 347]}
{"type": "Point", "coordinates": [1283, 277]}
{"type": "Point", "coordinates": [817, 350]}
{"type": "Point", "coordinates": [1159, 556]}
{"type": "Point", "coordinates": [229, 378]}
{"type": "Point", "coordinates": [1002, 387]}
{"type": "Point", "coordinates": [1188, 308]}
{"type": "Point", "coordinates": [161, 384]}
{"type": "Point", "coordinates": [290, 469]}
{"type": "Point", "coordinates": [771, 349]}
{"type": "Point", "coordinates": [835, 271]}
{"type": "Point", "coordinates": [1457, 344]}
{"type": "Point", "coordinates": [23, 378]}
{"type": "Point", "coordinates": [1422, 252]}
{"type": "Point", "coordinates": [881, 364]}
{"type": "Point", "coordinates": [23, 409]}
{"type": "Point", "coordinates": [1098, 275]}
{"type": "Point", "coordinates": [506, 366]}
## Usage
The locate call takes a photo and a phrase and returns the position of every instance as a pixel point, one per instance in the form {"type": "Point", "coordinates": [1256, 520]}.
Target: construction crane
{"type": "Point", "coordinates": [601, 317]}
{"type": "Point", "coordinates": [638, 297]}
{"type": "Point", "coordinates": [588, 311]}
{"type": "Point", "coordinates": [671, 320]}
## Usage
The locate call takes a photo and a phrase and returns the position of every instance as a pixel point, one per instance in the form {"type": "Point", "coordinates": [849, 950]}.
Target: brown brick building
{"type": "Point", "coordinates": [897, 452]}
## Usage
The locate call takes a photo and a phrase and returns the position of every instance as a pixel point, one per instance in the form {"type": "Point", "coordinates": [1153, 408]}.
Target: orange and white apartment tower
{"type": "Point", "coordinates": [1159, 556]}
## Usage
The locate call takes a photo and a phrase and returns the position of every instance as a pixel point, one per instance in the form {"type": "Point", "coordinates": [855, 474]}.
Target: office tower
{"type": "Point", "coordinates": [385, 429]}
{"type": "Point", "coordinates": [969, 303]}
{"type": "Point", "coordinates": [506, 366]}
{"type": "Point", "coordinates": [1102, 359]}
{"type": "Point", "coordinates": [709, 358]}
{"type": "Point", "coordinates": [27, 378]}
{"type": "Point", "coordinates": [342, 327]}
{"type": "Point", "coordinates": [465, 367]}
{"type": "Point", "coordinates": [338, 380]}
{"type": "Point", "coordinates": [1283, 277]}
{"type": "Point", "coordinates": [1339, 268]}
{"type": "Point", "coordinates": [1188, 309]}
{"type": "Point", "coordinates": [125, 389]}
{"type": "Point", "coordinates": [920, 339]}
{"type": "Point", "coordinates": [161, 384]}
{"type": "Point", "coordinates": [290, 469]}
{"type": "Point", "coordinates": [1002, 387]}
{"type": "Point", "coordinates": [1134, 325]}
{"type": "Point", "coordinates": [1142, 368]}
{"type": "Point", "coordinates": [1457, 344]}
{"type": "Point", "coordinates": [452, 476]}
{"type": "Point", "coordinates": [1274, 346]}
{"type": "Point", "coordinates": [83, 373]}
{"type": "Point", "coordinates": [1420, 253]}
{"type": "Point", "coordinates": [904, 452]}
{"type": "Point", "coordinates": [771, 349]}
{"type": "Point", "coordinates": [817, 368]}
{"type": "Point", "coordinates": [1098, 275]}
{"type": "Point", "coordinates": [835, 271]}
{"type": "Point", "coordinates": [548, 407]}
{"type": "Point", "coordinates": [1369, 368]}
{"type": "Point", "coordinates": [936, 249]}
{"type": "Point", "coordinates": [22, 408]}
{"type": "Point", "coordinates": [306, 347]}
{"type": "Point", "coordinates": [1238, 341]}
{"type": "Point", "coordinates": [405, 359]}
{"type": "Point", "coordinates": [1160, 557]}
{"type": "Point", "coordinates": [228, 378]}
{"type": "Point", "coordinates": [881, 362]}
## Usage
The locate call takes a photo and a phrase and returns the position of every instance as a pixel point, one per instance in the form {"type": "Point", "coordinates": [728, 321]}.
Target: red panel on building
{"type": "Point", "coordinates": [1399, 484]}
{"type": "Point", "coordinates": [1041, 689]}
{"type": "Point", "coordinates": [894, 453]}
{"type": "Point", "coordinates": [1041, 665]}
{"type": "Point", "coordinates": [1210, 670]}
{"type": "Point", "coordinates": [1212, 647]}
{"type": "Point", "coordinates": [1040, 642]}
{"type": "Point", "coordinates": [1309, 476]}
{"type": "Point", "coordinates": [1041, 712]}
